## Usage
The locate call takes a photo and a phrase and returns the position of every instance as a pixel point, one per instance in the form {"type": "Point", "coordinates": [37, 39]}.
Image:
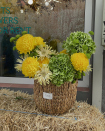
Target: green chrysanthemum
{"type": "Point", "coordinates": [62, 69]}
{"type": "Point", "coordinates": [80, 42]}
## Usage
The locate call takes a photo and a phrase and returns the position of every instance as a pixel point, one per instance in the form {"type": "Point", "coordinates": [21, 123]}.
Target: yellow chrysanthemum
{"type": "Point", "coordinates": [39, 41]}
{"type": "Point", "coordinates": [44, 61]}
{"type": "Point", "coordinates": [25, 43]}
{"type": "Point", "coordinates": [79, 61]}
{"type": "Point", "coordinates": [30, 66]}
{"type": "Point", "coordinates": [63, 51]}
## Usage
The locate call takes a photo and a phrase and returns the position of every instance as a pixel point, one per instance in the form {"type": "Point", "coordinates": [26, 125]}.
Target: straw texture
{"type": "Point", "coordinates": [63, 97]}
{"type": "Point", "coordinates": [89, 118]}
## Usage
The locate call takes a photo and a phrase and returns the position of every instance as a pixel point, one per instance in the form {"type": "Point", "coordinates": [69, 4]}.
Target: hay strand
{"type": "Point", "coordinates": [81, 117]}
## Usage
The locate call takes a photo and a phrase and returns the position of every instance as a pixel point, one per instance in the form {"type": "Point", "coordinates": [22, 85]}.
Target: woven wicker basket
{"type": "Point", "coordinates": [63, 97]}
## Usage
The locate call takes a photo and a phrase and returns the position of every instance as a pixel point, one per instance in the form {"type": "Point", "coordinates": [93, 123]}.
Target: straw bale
{"type": "Point", "coordinates": [89, 118]}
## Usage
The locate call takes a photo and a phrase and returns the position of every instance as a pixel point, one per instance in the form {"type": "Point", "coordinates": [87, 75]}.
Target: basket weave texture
{"type": "Point", "coordinates": [63, 97]}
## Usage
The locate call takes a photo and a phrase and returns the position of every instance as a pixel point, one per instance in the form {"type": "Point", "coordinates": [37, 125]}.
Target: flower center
{"type": "Point", "coordinates": [43, 52]}
{"type": "Point", "coordinates": [43, 74]}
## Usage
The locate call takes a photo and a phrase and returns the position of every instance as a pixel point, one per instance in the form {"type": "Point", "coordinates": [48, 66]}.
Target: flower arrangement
{"type": "Point", "coordinates": [39, 61]}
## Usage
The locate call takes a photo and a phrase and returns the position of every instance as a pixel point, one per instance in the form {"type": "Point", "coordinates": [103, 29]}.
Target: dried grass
{"type": "Point", "coordinates": [89, 118]}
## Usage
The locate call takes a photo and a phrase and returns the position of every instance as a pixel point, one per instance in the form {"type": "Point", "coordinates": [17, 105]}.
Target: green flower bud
{"type": "Point", "coordinates": [12, 39]}
{"type": "Point", "coordinates": [14, 48]}
{"type": "Point", "coordinates": [24, 32]}
{"type": "Point", "coordinates": [17, 36]}
{"type": "Point", "coordinates": [75, 41]}
{"type": "Point", "coordinates": [88, 55]}
{"type": "Point", "coordinates": [85, 48]}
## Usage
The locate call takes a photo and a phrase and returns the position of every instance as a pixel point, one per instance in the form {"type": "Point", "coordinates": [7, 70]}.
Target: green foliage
{"type": "Point", "coordinates": [73, 51]}
{"type": "Point", "coordinates": [19, 98]}
{"type": "Point", "coordinates": [33, 52]}
{"type": "Point", "coordinates": [77, 75]}
{"type": "Point", "coordinates": [83, 73]}
{"type": "Point", "coordinates": [91, 32]}
{"type": "Point", "coordinates": [80, 42]}
{"type": "Point", "coordinates": [62, 69]}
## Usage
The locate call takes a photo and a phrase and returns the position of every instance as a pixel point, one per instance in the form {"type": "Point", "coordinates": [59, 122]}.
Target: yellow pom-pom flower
{"type": "Point", "coordinates": [44, 61]}
{"type": "Point", "coordinates": [39, 41]}
{"type": "Point", "coordinates": [25, 43]}
{"type": "Point", "coordinates": [63, 51]}
{"type": "Point", "coordinates": [80, 61]}
{"type": "Point", "coordinates": [30, 66]}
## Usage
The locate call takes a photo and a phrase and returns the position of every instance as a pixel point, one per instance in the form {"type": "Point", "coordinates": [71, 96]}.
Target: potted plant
{"type": "Point", "coordinates": [55, 74]}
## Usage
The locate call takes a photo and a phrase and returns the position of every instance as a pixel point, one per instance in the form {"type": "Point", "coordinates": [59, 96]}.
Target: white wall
{"type": "Point", "coordinates": [98, 57]}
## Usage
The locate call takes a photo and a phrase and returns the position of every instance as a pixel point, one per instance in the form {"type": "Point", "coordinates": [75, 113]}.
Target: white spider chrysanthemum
{"type": "Point", "coordinates": [88, 69]}
{"type": "Point", "coordinates": [44, 75]}
{"type": "Point", "coordinates": [18, 67]}
{"type": "Point", "coordinates": [45, 52]}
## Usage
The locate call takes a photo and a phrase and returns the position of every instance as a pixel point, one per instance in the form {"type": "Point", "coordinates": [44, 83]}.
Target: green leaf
{"type": "Point", "coordinates": [78, 72]}
{"type": "Point", "coordinates": [76, 76]}
{"type": "Point", "coordinates": [19, 98]}
{"type": "Point", "coordinates": [91, 32]}
{"type": "Point", "coordinates": [83, 73]}
{"type": "Point", "coordinates": [79, 77]}
{"type": "Point", "coordinates": [73, 81]}
{"type": "Point", "coordinates": [12, 39]}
